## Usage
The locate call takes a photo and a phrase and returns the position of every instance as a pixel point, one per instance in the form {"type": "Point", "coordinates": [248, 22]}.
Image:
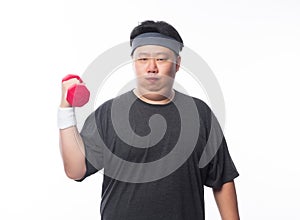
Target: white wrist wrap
{"type": "Point", "coordinates": [65, 117]}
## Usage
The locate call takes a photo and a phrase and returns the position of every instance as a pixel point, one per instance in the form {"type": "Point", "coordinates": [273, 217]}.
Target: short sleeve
{"type": "Point", "coordinates": [216, 164]}
{"type": "Point", "coordinates": [221, 168]}
{"type": "Point", "coordinates": [92, 145]}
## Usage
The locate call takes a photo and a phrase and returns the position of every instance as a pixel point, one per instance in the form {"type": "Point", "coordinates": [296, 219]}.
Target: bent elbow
{"type": "Point", "coordinates": [75, 174]}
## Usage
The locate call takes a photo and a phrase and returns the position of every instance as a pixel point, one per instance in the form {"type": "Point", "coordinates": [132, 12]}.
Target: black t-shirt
{"type": "Point", "coordinates": [178, 195]}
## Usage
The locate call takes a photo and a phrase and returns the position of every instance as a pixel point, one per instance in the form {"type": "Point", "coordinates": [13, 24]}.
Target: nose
{"type": "Point", "coordinates": [152, 66]}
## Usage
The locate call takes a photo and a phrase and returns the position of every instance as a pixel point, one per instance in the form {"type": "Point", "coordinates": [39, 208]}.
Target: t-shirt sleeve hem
{"type": "Point", "coordinates": [225, 180]}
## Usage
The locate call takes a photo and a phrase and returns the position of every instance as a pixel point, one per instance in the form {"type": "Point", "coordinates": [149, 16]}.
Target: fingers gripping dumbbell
{"type": "Point", "coordinates": [77, 94]}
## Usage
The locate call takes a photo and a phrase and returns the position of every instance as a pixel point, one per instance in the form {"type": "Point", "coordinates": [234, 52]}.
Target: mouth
{"type": "Point", "coordinates": [152, 79]}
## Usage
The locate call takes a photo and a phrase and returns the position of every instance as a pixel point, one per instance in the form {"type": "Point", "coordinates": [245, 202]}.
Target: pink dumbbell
{"type": "Point", "coordinates": [77, 95]}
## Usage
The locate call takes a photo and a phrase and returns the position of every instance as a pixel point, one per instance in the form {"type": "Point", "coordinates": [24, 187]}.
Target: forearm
{"type": "Point", "coordinates": [71, 144]}
{"type": "Point", "coordinates": [226, 200]}
{"type": "Point", "coordinates": [73, 153]}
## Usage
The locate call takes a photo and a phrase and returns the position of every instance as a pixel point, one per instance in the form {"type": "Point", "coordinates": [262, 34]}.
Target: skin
{"type": "Point", "coordinates": [226, 200]}
{"type": "Point", "coordinates": [71, 144]}
{"type": "Point", "coordinates": [155, 69]}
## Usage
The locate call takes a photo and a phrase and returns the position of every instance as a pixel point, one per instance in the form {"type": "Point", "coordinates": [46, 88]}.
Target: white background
{"type": "Point", "coordinates": [252, 47]}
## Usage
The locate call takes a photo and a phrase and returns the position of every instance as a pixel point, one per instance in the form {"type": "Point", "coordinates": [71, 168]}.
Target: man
{"type": "Point", "coordinates": [139, 182]}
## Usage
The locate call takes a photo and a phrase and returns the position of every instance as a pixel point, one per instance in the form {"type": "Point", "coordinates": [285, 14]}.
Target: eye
{"type": "Point", "coordinates": [161, 59]}
{"type": "Point", "coordinates": [143, 59]}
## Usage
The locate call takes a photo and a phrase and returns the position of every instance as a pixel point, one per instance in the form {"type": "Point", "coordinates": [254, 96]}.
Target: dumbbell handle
{"type": "Point", "coordinates": [77, 94]}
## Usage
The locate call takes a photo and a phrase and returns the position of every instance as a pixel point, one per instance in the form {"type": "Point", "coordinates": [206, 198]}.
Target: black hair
{"type": "Point", "coordinates": [161, 27]}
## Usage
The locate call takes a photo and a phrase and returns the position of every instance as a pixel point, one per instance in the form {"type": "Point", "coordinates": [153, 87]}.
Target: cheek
{"type": "Point", "coordinates": [138, 69]}
{"type": "Point", "coordinates": [169, 69]}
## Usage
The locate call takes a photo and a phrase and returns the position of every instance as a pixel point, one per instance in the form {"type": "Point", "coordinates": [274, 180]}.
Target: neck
{"type": "Point", "coordinates": [155, 98]}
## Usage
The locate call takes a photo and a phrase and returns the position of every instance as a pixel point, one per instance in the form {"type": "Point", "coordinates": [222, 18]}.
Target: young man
{"type": "Point", "coordinates": [139, 182]}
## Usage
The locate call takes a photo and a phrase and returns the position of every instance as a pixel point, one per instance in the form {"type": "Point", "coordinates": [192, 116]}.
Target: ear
{"type": "Point", "coordinates": [178, 61]}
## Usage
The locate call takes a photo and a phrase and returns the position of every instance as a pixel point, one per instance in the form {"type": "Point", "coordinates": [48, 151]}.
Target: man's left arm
{"type": "Point", "coordinates": [226, 200]}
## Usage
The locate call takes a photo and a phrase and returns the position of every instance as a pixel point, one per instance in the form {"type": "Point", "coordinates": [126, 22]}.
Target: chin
{"type": "Point", "coordinates": [156, 91]}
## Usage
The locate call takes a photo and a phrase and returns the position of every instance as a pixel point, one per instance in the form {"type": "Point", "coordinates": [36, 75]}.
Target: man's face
{"type": "Point", "coordinates": [155, 68]}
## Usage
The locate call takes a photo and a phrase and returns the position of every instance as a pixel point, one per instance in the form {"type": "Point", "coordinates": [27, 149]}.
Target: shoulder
{"type": "Point", "coordinates": [204, 111]}
{"type": "Point", "coordinates": [201, 105]}
{"type": "Point", "coordinates": [105, 107]}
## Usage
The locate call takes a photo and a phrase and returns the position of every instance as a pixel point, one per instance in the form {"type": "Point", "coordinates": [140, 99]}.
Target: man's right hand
{"type": "Point", "coordinates": [65, 85]}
